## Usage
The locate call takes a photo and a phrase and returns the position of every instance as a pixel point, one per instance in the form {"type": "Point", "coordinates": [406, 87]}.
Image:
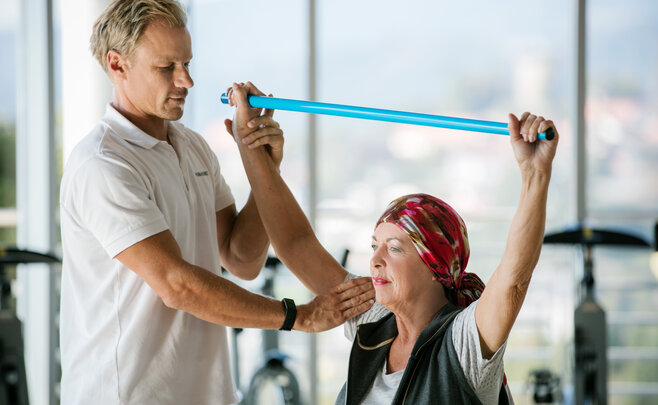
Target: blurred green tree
{"type": "Point", "coordinates": [7, 177]}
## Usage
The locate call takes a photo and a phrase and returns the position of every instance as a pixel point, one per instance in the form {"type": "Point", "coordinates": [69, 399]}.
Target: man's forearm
{"type": "Point", "coordinates": [214, 299]}
{"type": "Point", "coordinates": [183, 286]}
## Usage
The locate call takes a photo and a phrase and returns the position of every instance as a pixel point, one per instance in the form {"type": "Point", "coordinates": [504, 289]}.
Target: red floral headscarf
{"type": "Point", "coordinates": [440, 237]}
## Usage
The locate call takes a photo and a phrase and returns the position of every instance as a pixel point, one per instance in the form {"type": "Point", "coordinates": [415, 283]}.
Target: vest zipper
{"type": "Point", "coordinates": [406, 392]}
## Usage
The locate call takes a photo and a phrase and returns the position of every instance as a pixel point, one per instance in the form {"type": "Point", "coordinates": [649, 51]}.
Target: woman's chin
{"type": "Point", "coordinates": [383, 299]}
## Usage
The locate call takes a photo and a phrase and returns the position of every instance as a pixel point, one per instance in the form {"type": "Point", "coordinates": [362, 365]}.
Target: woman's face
{"type": "Point", "coordinates": [398, 273]}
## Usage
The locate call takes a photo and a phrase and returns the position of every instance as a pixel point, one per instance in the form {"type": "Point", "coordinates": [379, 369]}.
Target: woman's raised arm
{"type": "Point", "coordinates": [503, 296]}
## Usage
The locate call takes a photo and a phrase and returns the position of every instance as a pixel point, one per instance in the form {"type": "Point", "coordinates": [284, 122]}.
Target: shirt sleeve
{"type": "Point", "coordinates": [376, 312]}
{"type": "Point", "coordinates": [223, 195]}
{"type": "Point", "coordinates": [111, 200]}
{"type": "Point", "coordinates": [484, 376]}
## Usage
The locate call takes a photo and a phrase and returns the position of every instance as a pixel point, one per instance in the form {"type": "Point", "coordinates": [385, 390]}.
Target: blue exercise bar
{"type": "Point", "coordinates": [383, 115]}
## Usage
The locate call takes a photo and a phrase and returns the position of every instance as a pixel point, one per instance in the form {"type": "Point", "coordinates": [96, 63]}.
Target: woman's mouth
{"type": "Point", "coordinates": [379, 281]}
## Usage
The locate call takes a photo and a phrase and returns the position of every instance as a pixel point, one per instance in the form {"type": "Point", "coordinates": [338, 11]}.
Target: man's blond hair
{"type": "Point", "coordinates": [123, 22]}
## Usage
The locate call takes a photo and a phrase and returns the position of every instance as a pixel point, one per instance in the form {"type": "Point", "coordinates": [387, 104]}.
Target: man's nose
{"type": "Point", "coordinates": [183, 78]}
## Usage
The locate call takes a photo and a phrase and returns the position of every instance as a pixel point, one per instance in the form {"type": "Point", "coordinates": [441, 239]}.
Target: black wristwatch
{"type": "Point", "coordinates": [291, 313]}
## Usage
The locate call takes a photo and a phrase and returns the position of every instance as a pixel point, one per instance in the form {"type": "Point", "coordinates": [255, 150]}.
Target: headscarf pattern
{"type": "Point", "coordinates": [440, 237]}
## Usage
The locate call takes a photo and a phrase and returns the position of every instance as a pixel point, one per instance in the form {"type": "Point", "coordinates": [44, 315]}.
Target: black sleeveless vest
{"type": "Point", "coordinates": [433, 374]}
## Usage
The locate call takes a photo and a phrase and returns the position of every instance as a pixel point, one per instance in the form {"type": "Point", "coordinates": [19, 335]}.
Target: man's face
{"type": "Point", "coordinates": [157, 75]}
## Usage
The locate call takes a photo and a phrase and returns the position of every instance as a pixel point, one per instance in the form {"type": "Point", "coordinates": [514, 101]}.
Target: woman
{"type": "Point", "coordinates": [444, 337]}
{"type": "Point", "coordinates": [420, 250]}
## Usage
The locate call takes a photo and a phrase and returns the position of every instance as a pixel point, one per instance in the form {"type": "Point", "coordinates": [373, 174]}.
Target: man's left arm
{"type": "Point", "coordinates": [242, 240]}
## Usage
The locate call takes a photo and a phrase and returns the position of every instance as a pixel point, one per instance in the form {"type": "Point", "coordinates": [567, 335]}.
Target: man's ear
{"type": "Point", "coordinates": [116, 63]}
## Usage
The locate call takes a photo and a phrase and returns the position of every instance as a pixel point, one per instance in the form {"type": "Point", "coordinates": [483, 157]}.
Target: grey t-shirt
{"type": "Point", "coordinates": [484, 376]}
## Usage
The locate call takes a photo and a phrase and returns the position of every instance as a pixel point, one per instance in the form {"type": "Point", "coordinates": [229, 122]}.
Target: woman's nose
{"type": "Point", "coordinates": [376, 260]}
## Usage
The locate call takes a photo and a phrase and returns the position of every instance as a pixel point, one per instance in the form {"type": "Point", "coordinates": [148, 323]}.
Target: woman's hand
{"type": "Point", "coordinates": [533, 155]}
{"type": "Point", "coordinates": [333, 308]}
{"type": "Point", "coordinates": [253, 126]}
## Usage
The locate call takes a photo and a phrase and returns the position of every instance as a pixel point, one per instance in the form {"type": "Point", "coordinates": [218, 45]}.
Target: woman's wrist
{"type": "Point", "coordinates": [536, 176]}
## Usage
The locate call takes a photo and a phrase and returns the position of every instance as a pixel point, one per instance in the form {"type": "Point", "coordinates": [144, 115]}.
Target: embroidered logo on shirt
{"type": "Point", "coordinates": [204, 173]}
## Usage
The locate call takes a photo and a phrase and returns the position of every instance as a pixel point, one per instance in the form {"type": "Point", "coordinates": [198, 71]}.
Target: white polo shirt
{"type": "Point", "coordinates": [119, 343]}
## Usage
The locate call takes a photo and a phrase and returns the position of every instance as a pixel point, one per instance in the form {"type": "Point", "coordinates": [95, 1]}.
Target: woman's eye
{"type": "Point", "coordinates": [373, 246]}
{"type": "Point", "coordinates": [395, 249]}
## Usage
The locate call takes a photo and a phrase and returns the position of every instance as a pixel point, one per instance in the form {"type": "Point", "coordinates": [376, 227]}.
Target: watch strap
{"type": "Point", "coordinates": [291, 313]}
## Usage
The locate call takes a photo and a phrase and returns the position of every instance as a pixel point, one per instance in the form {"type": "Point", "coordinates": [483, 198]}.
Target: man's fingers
{"type": "Point", "coordinates": [342, 302]}
{"type": "Point", "coordinates": [354, 297]}
{"type": "Point", "coordinates": [264, 140]}
{"type": "Point", "coordinates": [263, 120]}
{"type": "Point", "coordinates": [357, 310]}
{"type": "Point", "coordinates": [351, 283]}
{"type": "Point", "coordinates": [360, 287]}
{"type": "Point", "coordinates": [265, 136]}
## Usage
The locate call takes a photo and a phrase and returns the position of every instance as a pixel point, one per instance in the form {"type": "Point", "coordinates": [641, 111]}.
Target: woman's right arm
{"type": "Point", "coordinates": [289, 230]}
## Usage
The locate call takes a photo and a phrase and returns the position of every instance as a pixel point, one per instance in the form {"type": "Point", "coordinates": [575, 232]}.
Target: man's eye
{"type": "Point", "coordinates": [373, 246]}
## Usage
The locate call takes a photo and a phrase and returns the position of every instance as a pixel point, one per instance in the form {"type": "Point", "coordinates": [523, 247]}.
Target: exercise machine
{"type": "Point", "coordinates": [13, 382]}
{"type": "Point", "coordinates": [590, 345]}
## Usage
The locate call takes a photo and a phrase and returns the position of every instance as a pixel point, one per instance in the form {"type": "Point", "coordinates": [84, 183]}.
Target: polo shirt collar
{"type": "Point", "coordinates": [127, 130]}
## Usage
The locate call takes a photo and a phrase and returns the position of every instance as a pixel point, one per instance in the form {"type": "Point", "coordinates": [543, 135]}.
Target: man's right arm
{"type": "Point", "coordinates": [183, 286]}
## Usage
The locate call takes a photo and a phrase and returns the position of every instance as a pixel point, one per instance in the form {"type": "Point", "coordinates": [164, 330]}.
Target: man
{"type": "Point", "coordinates": [146, 216]}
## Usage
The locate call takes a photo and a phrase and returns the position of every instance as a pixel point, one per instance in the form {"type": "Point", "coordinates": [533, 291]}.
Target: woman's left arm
{"type": "Point", "coordinates": [503, 296]}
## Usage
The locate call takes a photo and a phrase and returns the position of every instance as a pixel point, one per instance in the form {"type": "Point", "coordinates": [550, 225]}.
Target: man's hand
{"type": "Point", "coordinates": [342, 302]}
{"type": "Point", "coordinates": [253, 126]}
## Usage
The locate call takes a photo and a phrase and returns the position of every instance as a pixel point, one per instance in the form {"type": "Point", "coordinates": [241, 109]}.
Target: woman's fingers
{"type": "Point", "coordinates": [531, 125]}
{"type": "Point", "coordinates": [253, 89]}
{"type": "Point", "coordinates": [534, 129]}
